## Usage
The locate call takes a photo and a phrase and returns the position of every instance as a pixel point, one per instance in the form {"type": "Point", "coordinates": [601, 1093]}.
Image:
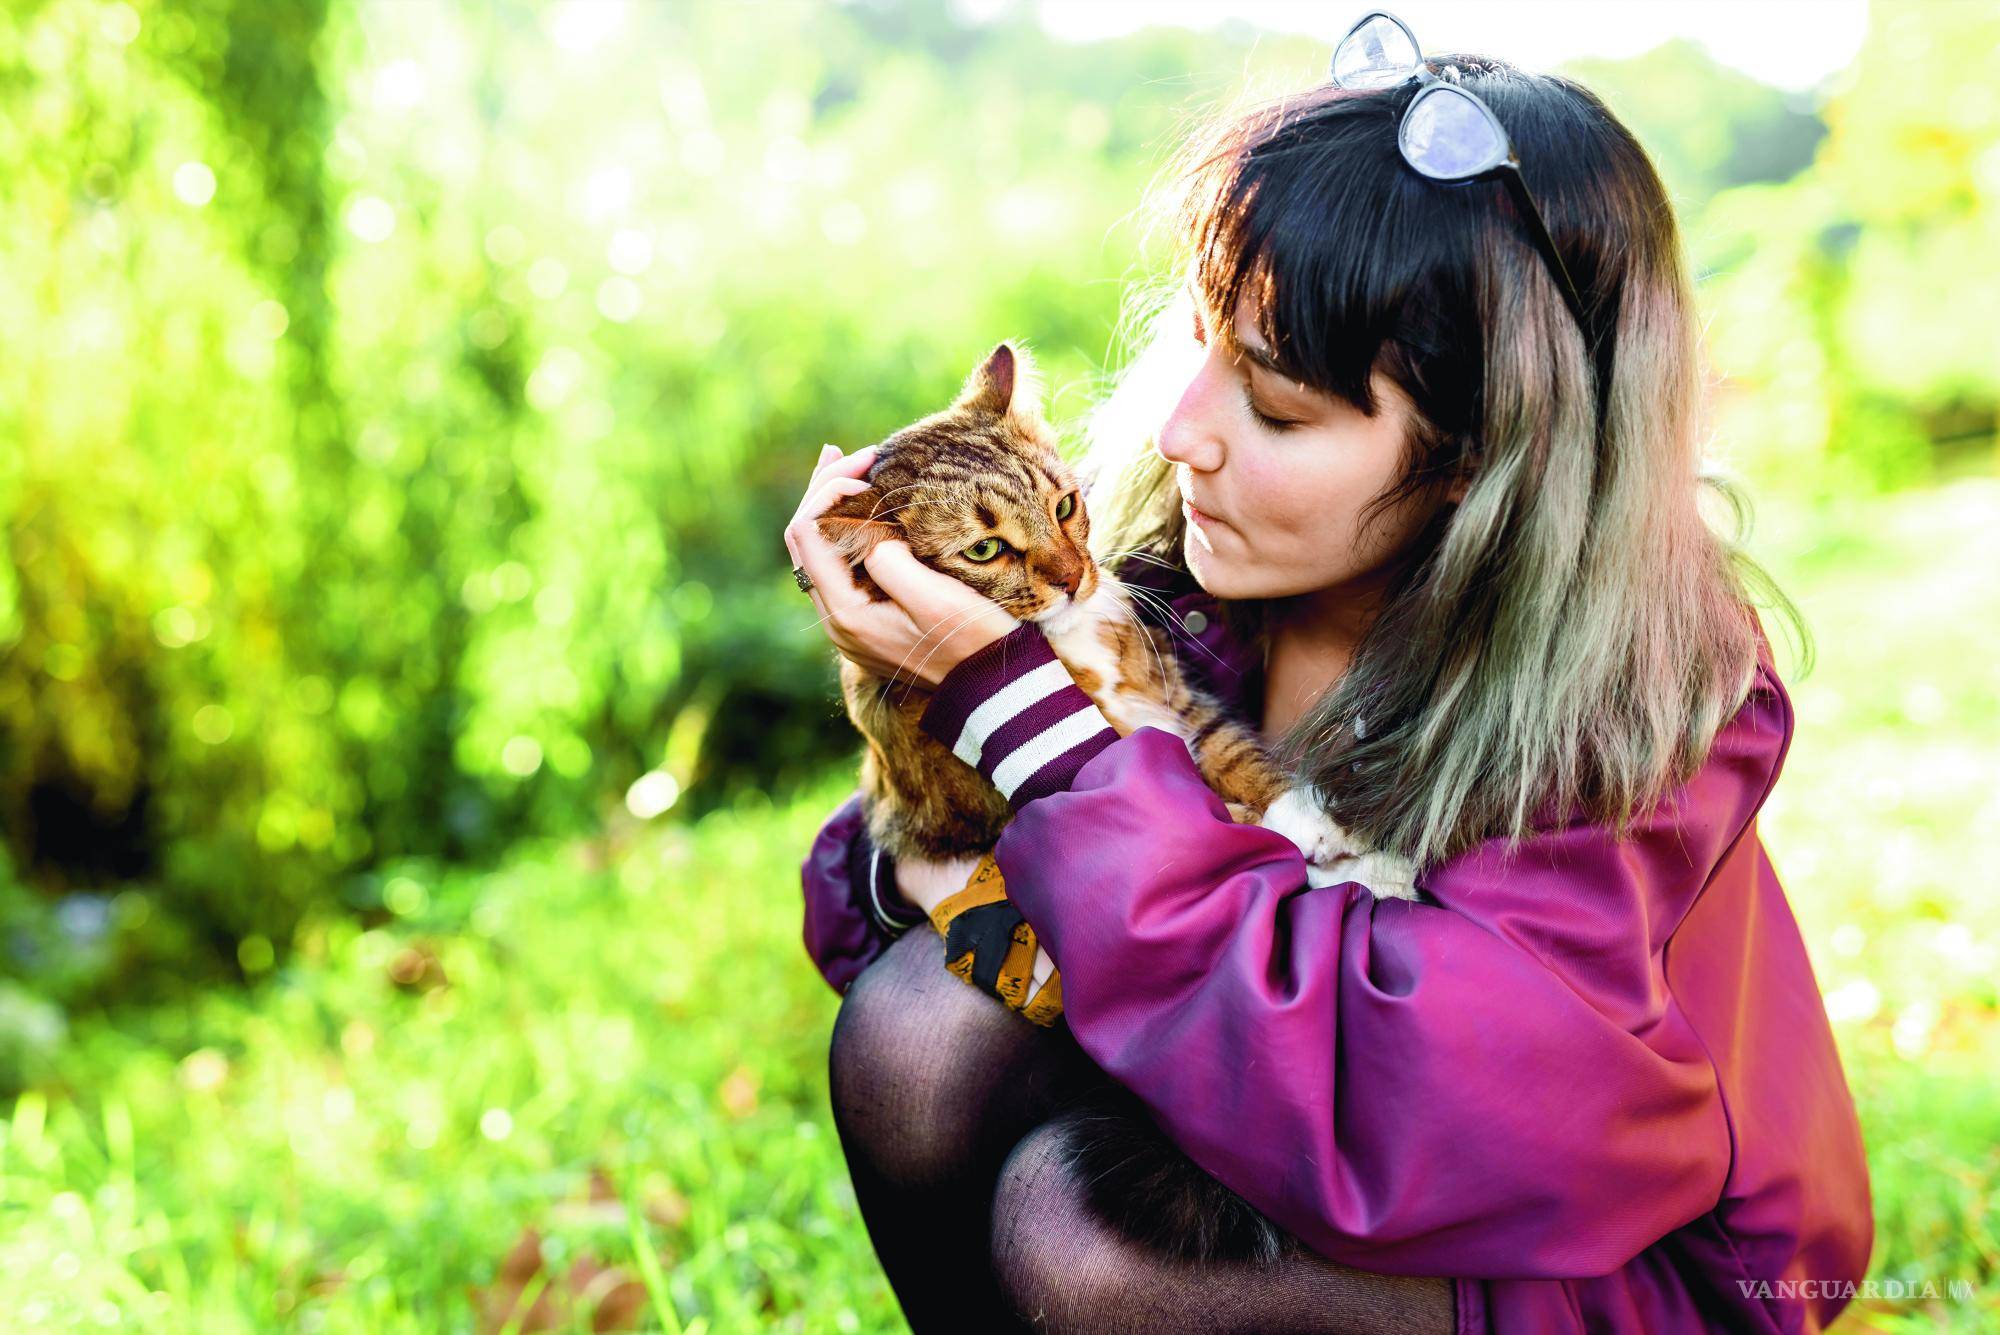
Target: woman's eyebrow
{"type": "Point", "coordinates": [1261, 356]}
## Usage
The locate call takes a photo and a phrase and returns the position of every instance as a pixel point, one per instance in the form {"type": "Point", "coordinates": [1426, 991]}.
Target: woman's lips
{"type": "Point", "coordinates": [1197, 516]}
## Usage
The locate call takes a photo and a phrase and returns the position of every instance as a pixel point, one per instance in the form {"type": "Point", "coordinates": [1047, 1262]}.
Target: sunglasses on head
{"type": "Point", "coordinates": [1446, 134]}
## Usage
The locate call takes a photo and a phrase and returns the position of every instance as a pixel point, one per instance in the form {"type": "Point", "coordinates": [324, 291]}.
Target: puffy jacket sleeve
{"type": "Point", "coordinates": [852, 909]}
{"type": "Point", "coordinates": [1490, 1081]}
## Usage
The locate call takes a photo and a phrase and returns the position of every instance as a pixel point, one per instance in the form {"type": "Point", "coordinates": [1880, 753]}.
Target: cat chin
{"type": "Point", "coordinates": [1060, 620]}
{"type": "Point", "coordinates": [1065, 619]}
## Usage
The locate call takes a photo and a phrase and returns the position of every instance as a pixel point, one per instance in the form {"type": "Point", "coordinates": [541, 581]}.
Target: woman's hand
{"type": "Point", "coordinates": [932, 622]}
{"type": "Point", "coordinates": [926, 884]}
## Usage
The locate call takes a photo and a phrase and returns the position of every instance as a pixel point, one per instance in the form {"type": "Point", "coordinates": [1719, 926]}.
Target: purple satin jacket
{"type": "Point", "coordinates": [1594, 1085]}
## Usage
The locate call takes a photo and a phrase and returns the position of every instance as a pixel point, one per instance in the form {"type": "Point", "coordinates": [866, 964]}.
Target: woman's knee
{"type": "Point", "coordinates": [928, 1076]}
{"type": "Point", "coordinates": [1054, 1262]}
{"type": "Point", "coordinates": [1063, 1267]}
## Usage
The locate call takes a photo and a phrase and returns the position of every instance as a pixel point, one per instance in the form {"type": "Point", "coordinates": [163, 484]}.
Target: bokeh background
{"type": "Point", "coordinates": [408, 729]}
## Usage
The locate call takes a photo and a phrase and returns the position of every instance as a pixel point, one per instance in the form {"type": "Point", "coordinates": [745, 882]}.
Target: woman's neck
{"type": "Point", "coordinates": [1312, 639]}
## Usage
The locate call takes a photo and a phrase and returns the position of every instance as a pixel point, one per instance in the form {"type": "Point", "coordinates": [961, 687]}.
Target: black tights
{"type": "Point", "coordinates": [956, 1115]}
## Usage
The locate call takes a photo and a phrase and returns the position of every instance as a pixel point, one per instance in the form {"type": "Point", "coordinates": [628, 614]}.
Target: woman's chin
{"type": "Point", "coordinates": [1211, 574]}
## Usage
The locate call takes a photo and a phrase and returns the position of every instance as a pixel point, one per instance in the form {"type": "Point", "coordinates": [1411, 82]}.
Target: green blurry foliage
{"type": "Point", "coordinates": [400, 404]}
{"type": "Point", "coordinates": [1707, 127]}
{"type": "Point", "coordinates": [1849, 304]}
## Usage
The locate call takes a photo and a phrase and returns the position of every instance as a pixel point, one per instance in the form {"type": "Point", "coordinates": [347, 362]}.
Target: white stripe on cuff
{"type": "Point", "coordinates": [1006, 702]}
{"type": "Point", "coordinates": [1045, 746]}
{"type": "Point", "coordinates": [875, 895]}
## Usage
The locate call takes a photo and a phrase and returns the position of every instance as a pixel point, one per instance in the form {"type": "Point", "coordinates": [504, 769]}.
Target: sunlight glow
{"type": "Point", "coordinates": [1790, 43]}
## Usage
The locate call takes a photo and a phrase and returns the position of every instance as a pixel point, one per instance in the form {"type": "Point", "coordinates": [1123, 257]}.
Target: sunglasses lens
{"type": "Point", "coordinates": [1376, 54]}
{"type": "Point", "coordinates": [1448, 136]}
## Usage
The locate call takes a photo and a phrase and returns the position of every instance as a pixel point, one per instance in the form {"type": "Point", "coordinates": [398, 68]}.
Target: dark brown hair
{"type": "Point", "coordinates": [1567, 638]}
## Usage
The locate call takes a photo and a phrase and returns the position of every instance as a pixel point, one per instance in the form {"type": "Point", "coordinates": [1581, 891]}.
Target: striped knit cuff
{"type": "Point", "coordinates": [1013, 712]}
{"type": "Point", "coordinates": [872, 873]}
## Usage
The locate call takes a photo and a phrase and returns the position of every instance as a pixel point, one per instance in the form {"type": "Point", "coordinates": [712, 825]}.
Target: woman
{"type": "Point", "coordinates": [1429, 490]}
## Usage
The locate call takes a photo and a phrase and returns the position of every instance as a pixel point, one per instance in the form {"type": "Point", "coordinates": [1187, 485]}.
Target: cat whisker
{"type": "Point", "coordinates": [1125, 610]}
{"type": "Point", "coordinates": [941, 631]}
{"type": "Point", "coordinates": [896, 509]}
{"type": "Point", "coordinates": [1165, 609]}
{"type": "Point", "coordinates": [877, 512]}
{"type": "Point", "coordinates": [907, 486]}
{"type": "Point", "coordinates": [1180, 624]}
{"type": "Point", "coordinates": [1153, 599]}
{"type": "Point", "coordinates": [1136, 554]}
{"type": "Point", "coordinates": [1150, 597]}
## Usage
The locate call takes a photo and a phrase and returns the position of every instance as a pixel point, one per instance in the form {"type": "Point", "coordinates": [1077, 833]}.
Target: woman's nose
{"type": "Point", "coordinates": [1192, 433]}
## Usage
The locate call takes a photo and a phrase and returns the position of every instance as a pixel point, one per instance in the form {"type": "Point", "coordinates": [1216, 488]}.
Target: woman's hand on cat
{"type": "Point", "coordinates": [929, 624]}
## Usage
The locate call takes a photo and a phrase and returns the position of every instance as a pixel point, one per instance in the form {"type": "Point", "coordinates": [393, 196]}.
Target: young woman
{"type": "Point", "coordinates": [1427, 478]}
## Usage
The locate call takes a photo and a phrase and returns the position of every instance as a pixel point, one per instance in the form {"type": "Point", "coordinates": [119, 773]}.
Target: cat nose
{"type": "Point", "coordinates": [1066, 580]}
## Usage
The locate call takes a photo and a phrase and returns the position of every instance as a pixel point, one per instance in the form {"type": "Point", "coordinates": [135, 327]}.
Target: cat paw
{"type": "Point", "coordinates": [1332, 856]}
{"type": "Point", "coordinates": [1301, 819]}
{"type": "Point", "coordinates": [1383, 875]}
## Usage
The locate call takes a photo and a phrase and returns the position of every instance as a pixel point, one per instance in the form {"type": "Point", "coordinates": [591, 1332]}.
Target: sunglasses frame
{"type": "Point", "coordinates": [1506, 166]}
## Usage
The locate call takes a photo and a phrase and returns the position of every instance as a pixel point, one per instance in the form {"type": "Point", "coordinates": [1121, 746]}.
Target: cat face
{"type": "Point", "coordinates": [979, 493]}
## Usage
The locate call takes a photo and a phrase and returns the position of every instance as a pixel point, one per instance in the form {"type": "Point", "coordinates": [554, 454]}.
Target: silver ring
{"type": "Point", "coordinates": [802, 579]}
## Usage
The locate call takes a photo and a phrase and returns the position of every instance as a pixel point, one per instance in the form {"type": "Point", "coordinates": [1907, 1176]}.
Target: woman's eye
{"type": "Point", "coordinates": [1269, 423]}
{"type": "Point", "coordinates": [983, 550]}
{"type": "Point", "coordinates": [1066, 506]}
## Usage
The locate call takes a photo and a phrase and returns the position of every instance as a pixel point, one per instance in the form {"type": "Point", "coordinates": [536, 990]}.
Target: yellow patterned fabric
{"type": "Point", "coordinates": [989, 945]}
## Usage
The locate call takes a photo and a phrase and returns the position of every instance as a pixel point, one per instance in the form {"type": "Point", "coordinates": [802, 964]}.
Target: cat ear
{"type": "Point", "coordinates": [1006, 382]}
{"type": "Point", "coordinates": [851, 527]}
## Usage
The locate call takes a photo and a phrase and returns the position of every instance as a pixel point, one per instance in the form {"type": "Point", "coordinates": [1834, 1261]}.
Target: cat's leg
{"type": "Point", "coordinates": [1332, 855]}
{"type": "Point", "coordinates": [1386, 875]}
{"type": "Point", "coordinates": [1234, 761]}
{"type": "Point", "coordinates": [931, 1083]}
{"type": "Point", "coordinates": [1298, 814]}
{"type": "Point", "coordinates": [1070, 1259]}
{"type": "Point", "coordinates": [1232, 758]}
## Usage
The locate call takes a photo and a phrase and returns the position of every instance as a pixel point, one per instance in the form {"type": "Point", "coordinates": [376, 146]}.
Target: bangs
{"type": "Point", "coordinates": [1312, 187]}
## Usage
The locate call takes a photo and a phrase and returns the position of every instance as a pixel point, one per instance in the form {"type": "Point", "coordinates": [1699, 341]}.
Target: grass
{"type": "Point", "coordinates": [1885, 830]}
{"type": "Point", "coordinates": [354, 1145]}
{"type": "Point", "coordinates": [600, 1071]}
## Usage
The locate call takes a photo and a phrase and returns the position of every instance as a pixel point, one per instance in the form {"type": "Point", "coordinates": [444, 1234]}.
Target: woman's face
{"type": "Point", "coordinates": [1274, 508]}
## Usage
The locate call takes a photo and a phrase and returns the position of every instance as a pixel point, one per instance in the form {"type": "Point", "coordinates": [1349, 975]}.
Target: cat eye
{"type": "Point", "coordinates": [984, 550]}
{"type": "Point", "coordinates": [1066, 506]}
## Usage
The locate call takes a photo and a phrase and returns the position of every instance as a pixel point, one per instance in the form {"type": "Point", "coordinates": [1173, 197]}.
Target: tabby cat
{"type": "Point", "coordinates": [965, 488]}
{"type": "Point", "coordinates": [979, 492]}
